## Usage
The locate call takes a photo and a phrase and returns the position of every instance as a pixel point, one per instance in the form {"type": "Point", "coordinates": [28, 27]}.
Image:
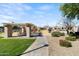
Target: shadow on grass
{"type": "Point", "coordinates": [46, 45]}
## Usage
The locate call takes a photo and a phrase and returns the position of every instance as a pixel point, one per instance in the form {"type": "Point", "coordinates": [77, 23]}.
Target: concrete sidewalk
{"type": "Point", "coordinates": [40, 41]}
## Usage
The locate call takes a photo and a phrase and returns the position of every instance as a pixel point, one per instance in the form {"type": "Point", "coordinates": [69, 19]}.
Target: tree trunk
{"type": "Point", "coordinates": [67, 31]}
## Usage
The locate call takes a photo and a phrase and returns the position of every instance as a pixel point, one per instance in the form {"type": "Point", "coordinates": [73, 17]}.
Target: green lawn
{"type": "Point", "coordinates": [1, 32]}
{"type": "Point", "coordinates": [14, 47]}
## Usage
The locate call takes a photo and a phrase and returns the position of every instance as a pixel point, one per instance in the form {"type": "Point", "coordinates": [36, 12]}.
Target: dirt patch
{"type": "Point", "coordinates": [56, 50]}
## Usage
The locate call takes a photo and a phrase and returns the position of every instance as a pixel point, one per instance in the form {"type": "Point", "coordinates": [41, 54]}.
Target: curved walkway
{"type": "Point", "coordinates": [38, 48]}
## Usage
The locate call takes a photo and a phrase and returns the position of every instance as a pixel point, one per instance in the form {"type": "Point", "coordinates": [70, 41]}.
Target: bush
{"type": "Point", "coordinates": [65, 43]}
{"type": "Point", "coordinates": [62, 34]}
{"type": "Point", "coordinates": [71, 38]}
{"type": "Point", "coordinates": [72, 34]}
{"type": "Point", "coordinates": [57, 34]}
{"type": "Point", "coordinates": [77, 34]}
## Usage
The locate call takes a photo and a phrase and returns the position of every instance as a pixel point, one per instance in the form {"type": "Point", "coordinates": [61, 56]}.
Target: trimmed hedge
{"type": "Point", "coordinates": [71, 38]}
{"type": "Point", "coordinates": [57, 34]}
{"type": "Point", "coordinates": [65, 43]}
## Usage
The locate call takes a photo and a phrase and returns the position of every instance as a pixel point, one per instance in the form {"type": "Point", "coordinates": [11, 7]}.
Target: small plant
{"type": "Point", "coordinates": [62, 34]}
{"type": "Point", "coordinates": [72, 34]}
{"type": "Point", "coordinates": [65, 43]}
{"type": "Point", "coordinates": [57, 34]}
{"type": "Point", "coordinates": [71, 38]}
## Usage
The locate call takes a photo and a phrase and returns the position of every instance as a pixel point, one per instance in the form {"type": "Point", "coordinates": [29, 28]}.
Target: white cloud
{"type": "Point", "coordinates": [14, 11]}
{"type": "Point", "coordinates": [22, 7]}
{"type": "Point", "coordinates": [25, 13]}
{"type": "Point", "coordinates": [19, 7]}
{"type": "Point", "coordinates": [5, 18]}
{"type": "Point", "coordinates": [39, 12]}
{"type": "Point", "coordinates": [45, 8]}
{"type": "Point", "coordinates": [28, 7]}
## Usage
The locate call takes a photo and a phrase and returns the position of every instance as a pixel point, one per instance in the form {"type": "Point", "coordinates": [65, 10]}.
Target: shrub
{"type": "Point", "coordinates": [65, 43]}
{"type": "Point", "coordinates": [72, 34]}
{"type": "Point", "coordinates": [57, 34]}
{"type": "Point", "coordinates": [71, 38]}
{"type": "Point", "coordinates": [62, 34]}
{"type": "Point", "coordinates": [77, 34]}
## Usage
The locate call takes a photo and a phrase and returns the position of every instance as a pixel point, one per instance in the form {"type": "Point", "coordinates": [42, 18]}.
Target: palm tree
{"type": "Point", "coordinates": [70, 11]}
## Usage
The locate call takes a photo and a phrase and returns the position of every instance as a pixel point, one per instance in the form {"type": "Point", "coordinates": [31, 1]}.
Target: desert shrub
{"type": "Point", "coordinates": [72, 34]}
{"type": "Point", "coordinates": [71, 38]}
{"type": "Point", "coordinates": [62, 34]}
{"type": "Point", "coordinates": [77, 35]}
{"type": "Point", "coordinates": [65, 43]}
{"type": "Point", "coordinates": [57, 34]}
{"type": "Point", "coordinates": [42, 28]}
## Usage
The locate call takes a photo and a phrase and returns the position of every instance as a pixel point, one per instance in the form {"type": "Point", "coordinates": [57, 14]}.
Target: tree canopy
{"type": "Point", "coordinates": [70, 10]}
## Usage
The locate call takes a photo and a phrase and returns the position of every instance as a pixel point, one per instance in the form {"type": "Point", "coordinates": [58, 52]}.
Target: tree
{"type": "Point", "coordinates": [68, 24]}
{"type": "Point", "coordinates": [70, 12]}
{"type": "Point", "coordinates": [33, 27]}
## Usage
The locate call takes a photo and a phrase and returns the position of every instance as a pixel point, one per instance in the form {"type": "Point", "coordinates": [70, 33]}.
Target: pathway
{"type": "Point", "coordinates": [45, 33]}
{"type": "Point", "coordinates": [40, 41]}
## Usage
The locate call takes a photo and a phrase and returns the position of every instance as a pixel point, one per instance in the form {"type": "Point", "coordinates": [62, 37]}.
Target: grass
{"type": "Point", "coordinates": [14, 47]}
{"type": "Point", "coordinates": [1, 32]}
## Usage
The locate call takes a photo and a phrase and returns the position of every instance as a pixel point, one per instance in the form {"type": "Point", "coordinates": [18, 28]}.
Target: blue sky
{"type": "Point", "coordinates": [40, 14]}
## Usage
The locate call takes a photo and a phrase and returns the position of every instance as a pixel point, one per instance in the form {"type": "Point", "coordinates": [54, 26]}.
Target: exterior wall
{"type": "Point", "coordinates": [75, 29]}
{"type": "Point", "coordinates": [28, 31]}
{"type": "Point", "coordinates": [8, 31]}
{"type": "Point", "coordinates": [25, 31]}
